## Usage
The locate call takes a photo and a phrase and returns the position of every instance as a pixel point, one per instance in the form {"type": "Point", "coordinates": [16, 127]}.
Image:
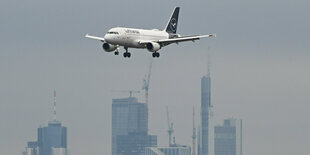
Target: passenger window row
{"type": "Point", "coordinates": [112, 33]}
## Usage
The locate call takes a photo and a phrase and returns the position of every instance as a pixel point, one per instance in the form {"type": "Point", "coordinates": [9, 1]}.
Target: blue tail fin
{"type": "Point", "coordinates": [173, 22]}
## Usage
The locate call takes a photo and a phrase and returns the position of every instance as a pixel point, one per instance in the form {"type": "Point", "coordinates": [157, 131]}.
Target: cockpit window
{"type": "Point", "coordinates": [112, 32]}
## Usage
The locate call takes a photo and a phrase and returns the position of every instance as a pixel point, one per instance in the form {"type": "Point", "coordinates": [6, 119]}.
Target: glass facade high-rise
{"type": "Point", "coordinates": [52, 140]}
{"type": "Point", "coordinates": [176, 150]}
{"type": "Point", "coordinates": [129, 119]}
{"type": "Point", "coordinates": [135, 143]}
{"type": "Point", "coordinates": [228, 138]}
{"type": "Point", "coordinates": [205, 109]}
{"type": "Point", "coordinates": [52, 136]}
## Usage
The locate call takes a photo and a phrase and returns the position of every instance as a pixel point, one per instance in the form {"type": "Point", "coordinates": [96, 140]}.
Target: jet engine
{"type": "Point", "coordinates": [109, 47]}
{"type": "Point", "coordinates": [153, 47]}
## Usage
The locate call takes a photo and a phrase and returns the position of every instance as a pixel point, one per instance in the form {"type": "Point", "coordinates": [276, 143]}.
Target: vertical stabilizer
{"type": "Point", "coordinates": [173, 22]}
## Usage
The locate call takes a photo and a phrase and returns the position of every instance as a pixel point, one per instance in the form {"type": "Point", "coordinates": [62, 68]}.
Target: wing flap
{"type": "Point", "coordinates": [185, 38]}
{"type": "Point", "coordinates": [177, 40]}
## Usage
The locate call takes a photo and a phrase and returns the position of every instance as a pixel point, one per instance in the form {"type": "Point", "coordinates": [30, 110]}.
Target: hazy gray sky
{"type": "Point", "coordinates": [260, 70]}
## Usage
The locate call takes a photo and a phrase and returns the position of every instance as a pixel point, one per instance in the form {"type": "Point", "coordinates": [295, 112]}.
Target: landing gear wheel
{"type": "Point", "coordinates": [127, 54]}
{"type": "Point", "coordinates": [155, 54]}
{"type": "Point", "coordinates": [116, 53]}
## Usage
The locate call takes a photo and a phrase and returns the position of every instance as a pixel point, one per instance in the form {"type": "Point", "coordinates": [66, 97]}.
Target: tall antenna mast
{"type": "Point", "coordinates": [194, 133]}
{"type": "Point", "coordinates": [54, 105]}
{"type": "Point", "coordinates": [208, 65]}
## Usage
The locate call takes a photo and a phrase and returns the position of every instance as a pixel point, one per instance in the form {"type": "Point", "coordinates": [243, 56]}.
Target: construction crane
{"type": "Point", "coordinates": [126, 91]}
{"type": "Point", "coordinates": [146, 84]}
{"type": "Point", "coordinates": [194, 134]}
{"type": "Point", "coordinates": [170, 127]}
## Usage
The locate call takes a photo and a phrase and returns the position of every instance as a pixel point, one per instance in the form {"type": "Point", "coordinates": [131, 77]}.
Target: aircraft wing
{"type": "Point", "coordinates": [94, 37]}
{"type": "Point", "coordinates": [179, 39]}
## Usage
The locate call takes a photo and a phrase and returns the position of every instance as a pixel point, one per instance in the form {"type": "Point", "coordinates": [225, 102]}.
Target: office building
{"type": "Point", "coordinates": [51, 140]}
{"type": "Point", "coordinates": [205, 113]}
{"type": "Point", "coordinates": [228, 138]}
{"type": "Point", "coordinates": [129, 120]}
{"type": "Point", "coordinates": [52, 136]}
{"type": "Point", "coordinates": [135, 143]}
{"type": "Point", "coordinates": [175, 150]}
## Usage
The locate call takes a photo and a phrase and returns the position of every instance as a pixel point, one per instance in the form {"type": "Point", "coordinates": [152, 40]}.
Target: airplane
{"type": "Point", "coordinates": [153, 40]}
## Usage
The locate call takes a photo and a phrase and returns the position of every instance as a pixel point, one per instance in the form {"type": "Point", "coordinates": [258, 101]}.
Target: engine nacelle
{"type": "Point", "coordinates": [153, 47]}
{"type": "Point", "coordinates": [109, 47]}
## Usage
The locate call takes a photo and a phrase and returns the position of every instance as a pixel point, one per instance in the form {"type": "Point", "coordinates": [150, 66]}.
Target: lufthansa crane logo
{"type": "Point", "coordinates": [173, 24]}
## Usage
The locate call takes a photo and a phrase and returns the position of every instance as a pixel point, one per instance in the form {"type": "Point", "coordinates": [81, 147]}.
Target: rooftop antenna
{"type": "Point", "coordinates": [54, 105]}
{"type": "Point", "coordinates": [208, 64]}
{"type": "Point", "coordinates": [127, 91]}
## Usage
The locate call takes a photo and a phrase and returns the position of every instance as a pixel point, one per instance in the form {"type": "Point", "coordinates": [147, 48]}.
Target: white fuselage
{"type": "Point", "coordinates": [130, 37]}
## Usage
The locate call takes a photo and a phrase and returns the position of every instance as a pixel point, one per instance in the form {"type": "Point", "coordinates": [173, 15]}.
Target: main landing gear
{"type": "Point", "coordinates": [126, 54]}
{"type": "Point", "coordinates": [155, 54]}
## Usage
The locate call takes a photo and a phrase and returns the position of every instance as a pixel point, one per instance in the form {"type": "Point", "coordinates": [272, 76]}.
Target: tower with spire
{"type": "Point", "coordinates": [205, 112]}
{"type": "Point", "coordinates": [51, 139]}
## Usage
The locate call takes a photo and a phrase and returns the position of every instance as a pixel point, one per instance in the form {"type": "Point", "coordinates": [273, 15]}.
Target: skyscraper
{"type": "Point", "coordinates": [205, 109]}
{"type": "Point", "coordinates": [51, 140]}
{"type": "Point", "coordinates": [199, 141]}
{"type": "Point", "coordinates": [129, 120]}
{"type": "Point", "coordinates": [52, 136]}
{"type": "Point", "coordinates": [228, 138]}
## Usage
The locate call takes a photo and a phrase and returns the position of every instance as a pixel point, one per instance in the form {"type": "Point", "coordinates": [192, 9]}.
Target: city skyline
{"type": "Point", "coordinates": [130, 129]}
{"type": "Point", "coordinates": [260, 70]}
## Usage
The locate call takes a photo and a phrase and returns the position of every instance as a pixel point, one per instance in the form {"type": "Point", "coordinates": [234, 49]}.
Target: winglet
{"type": "Point", "coordinates": [212, 35]}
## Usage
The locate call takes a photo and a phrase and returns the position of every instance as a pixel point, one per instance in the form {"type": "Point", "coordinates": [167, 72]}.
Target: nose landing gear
{"type": "Point", "coordinates": [116, 51]}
